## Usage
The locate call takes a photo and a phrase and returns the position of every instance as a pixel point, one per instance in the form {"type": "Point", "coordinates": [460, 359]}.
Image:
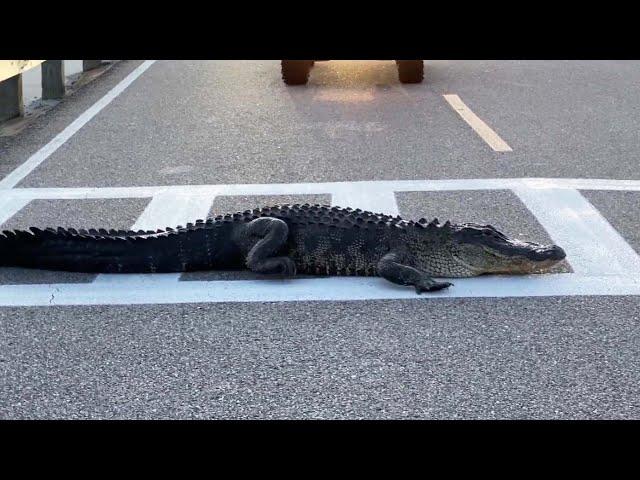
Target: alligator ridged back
{"type": "Point", "coordinates": [200, 245]}
{"type": "Point", "coordinates": [110, 251]}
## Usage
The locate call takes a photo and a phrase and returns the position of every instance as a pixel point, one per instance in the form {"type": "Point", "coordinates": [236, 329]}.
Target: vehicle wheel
{"type": "Point", "coordinates": [296, 72]}
{"type": "Point", "coordinates": [410, 71]}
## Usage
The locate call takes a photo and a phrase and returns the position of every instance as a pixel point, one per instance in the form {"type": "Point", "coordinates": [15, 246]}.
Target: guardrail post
{"type": "Point", "coordinates": [53, 79]}
{"type": "Point", "coordinates": [90, 64]}
{"type": "Point", "coordinates": [11, 98]}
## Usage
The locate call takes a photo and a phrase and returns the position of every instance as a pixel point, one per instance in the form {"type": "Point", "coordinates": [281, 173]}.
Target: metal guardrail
{"type": "Point", "coordinates": [9, 68]}
{"type": "Point", "coordinates": [53, 82]}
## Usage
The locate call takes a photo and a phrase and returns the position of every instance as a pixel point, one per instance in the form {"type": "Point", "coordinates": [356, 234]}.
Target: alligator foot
{"type": "Point", "coordinates": [426, 284]}
{"type": "Point", "coordinates": [391, 268]}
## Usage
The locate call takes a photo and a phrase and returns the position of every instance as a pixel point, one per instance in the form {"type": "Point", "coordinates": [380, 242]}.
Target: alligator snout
{"type": "Point", "coordinates": [547, 252]}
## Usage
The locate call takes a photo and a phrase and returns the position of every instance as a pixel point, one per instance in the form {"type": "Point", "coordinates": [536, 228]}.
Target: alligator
{"type": "Point", "coordinates": [285, 240]}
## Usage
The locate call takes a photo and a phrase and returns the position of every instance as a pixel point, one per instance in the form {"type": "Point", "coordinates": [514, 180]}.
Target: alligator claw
{"type": "Point", "coordinates": [432, 287]}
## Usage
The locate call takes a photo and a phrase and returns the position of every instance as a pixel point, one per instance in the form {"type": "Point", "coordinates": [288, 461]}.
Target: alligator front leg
{"type": "Point", "coordinates": [274, 234]}
{"type": "Point", "coordinates": [392, 268]}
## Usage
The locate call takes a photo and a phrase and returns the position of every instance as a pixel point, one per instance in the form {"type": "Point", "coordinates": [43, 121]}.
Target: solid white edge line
{"type": "Point", "coordinates": [41, 155]}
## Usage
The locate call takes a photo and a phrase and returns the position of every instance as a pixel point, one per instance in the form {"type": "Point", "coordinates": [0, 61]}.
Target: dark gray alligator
{"type": "Point", "coordinates": [285, 239]}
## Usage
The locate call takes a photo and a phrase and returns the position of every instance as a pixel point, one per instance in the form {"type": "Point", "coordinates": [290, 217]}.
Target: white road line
{"type": "Point", "coordinates": [166, 209]}
{"type": "Point", "coordinates": [169, 209]}
{"type": "Point", "coordinates": [322, 188]}
{"type": "Point", "coordinates": [582, 183]}
{"type": "Point", "coordinates": [153, 289]}
{"type": "Point", "coordinates": [593, 246]}
{"type": "Point", "coordinates": [475, 122]}
{"type": "Point", "coordinates": [10, 206]}
{"type": "Point", "coordinates": [604, 263]}
{"type": "Point", "coordinates": [41, 155]}
{"type": "Point", "coordinates": [372, 199]}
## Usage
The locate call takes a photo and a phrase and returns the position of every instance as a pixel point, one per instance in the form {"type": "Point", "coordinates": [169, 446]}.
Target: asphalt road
{"type": "Point", "coordinates": [196, 123]}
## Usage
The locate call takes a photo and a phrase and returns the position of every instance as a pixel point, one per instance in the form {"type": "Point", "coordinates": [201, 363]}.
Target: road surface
{"type": "Point", "coordinates": [541, 150]}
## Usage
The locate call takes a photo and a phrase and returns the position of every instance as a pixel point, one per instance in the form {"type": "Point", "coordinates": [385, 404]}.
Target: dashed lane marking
{"type": "Point", "coordinates": [475, 122]}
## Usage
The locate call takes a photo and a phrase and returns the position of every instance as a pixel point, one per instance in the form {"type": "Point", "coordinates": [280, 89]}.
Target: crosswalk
{"type": "Point", "coordinates": [603, 262]}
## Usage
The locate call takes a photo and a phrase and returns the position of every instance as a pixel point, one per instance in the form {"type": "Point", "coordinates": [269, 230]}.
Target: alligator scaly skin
{"type": "Point", "coordinates": [321, 240]}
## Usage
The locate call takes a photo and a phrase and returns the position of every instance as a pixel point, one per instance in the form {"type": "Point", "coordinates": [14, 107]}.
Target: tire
{"type": "Point", "coordinates": [296, 72]}
{"type": "Point", "coordinates": [410, 71]}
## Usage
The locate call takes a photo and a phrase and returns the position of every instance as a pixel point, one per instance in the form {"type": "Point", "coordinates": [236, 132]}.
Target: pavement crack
{"type": "Point", "coordinates": [53, 295]}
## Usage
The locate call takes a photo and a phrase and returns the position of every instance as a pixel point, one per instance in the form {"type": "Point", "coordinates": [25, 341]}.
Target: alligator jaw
{"type": "Point", "coordinates": [482, 249]}
{"type": "Point", "coordinates": [525, 257]}
{"type": "Point", "coordinates": [531, 251]}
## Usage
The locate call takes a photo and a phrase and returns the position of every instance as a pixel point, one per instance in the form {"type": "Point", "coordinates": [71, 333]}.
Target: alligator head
{"type": "Point", "coordinates": [471, 249]}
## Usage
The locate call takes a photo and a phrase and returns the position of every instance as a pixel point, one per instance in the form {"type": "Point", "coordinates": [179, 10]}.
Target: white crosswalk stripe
{"type": "Point", "coordinates": [603, 262]}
